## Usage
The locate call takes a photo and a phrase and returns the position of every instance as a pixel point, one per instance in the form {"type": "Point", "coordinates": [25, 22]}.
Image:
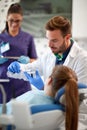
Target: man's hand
{"type": "Point", "coordinates": [36, 80]}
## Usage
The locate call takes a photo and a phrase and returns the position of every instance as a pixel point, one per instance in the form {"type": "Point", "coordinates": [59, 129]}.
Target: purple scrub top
{"type": "Point", "coordinates": [22, 44]}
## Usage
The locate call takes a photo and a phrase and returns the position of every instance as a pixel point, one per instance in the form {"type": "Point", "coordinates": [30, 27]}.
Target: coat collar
{"type": "Point", "coordinates": [74, 50]}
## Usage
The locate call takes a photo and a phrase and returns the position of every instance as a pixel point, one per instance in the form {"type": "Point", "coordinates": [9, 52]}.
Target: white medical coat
{"type": "Point", "coordinates": [76, 59]}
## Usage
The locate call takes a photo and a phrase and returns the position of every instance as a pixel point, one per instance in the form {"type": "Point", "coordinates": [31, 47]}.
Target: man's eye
{"type": "Point", "coordinates": [54, 41]}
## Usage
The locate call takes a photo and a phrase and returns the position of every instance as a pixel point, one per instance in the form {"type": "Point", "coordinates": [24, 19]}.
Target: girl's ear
{"type": "Point", "coordinates": [49, 80]}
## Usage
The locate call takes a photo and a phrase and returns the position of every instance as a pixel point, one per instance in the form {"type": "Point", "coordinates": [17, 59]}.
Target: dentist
{"type": "Point", "coordinates": [64, 50]}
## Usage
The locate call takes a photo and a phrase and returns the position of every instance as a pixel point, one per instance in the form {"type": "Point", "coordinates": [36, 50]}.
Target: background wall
{"type": "Point", "coordinates": [79, 22]}
{"type": "Point", "coordinates": [79, 19]}
{"type": "Point", "coordinates": [37, 13]}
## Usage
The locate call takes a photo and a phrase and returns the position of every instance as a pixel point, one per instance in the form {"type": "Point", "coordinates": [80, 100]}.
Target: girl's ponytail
{"type": "Point", "coordinates": [72, 103]}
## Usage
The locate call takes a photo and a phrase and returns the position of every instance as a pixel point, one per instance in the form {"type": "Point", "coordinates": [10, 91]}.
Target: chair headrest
{"type": "Point", "coordinates": [60, 96]}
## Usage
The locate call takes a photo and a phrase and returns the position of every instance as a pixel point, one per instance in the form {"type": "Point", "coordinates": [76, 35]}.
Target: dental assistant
{"type": "Point", "coordinates": [64, 50]}
{"type": "Point", "coordinates": [15, 43]}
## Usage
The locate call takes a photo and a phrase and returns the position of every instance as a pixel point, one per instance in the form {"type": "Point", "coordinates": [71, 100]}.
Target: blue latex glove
{"type": "Point", "coordinates": [3, 60]}
{"type": "Point", "coordinates": [36, 81]}
{"type": "Point", "coordinates": [24, 59]}
{"type": "Point", "coordinates": [14, 67]}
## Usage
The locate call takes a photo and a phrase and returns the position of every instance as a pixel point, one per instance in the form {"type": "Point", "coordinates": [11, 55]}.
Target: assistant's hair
{"type": "Point", "coordinates": [14, 8]}
{"type": "Point", "coordinates": [59, 23]}
{"type": "Point", "coordinates": [63, 76]}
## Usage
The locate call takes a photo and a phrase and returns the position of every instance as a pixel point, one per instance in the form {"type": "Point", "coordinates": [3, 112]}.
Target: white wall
{"type": "Point", "coordinates": [79, 19]}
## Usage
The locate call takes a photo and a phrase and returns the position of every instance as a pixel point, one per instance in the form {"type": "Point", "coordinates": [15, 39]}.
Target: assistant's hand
{"type": "Point", "coordinates": [3, 60]}
{"type": "Point", "coordinates": [36, 81]}
{"type": "Point", "coordinates": [14, 67]}
{"type": "Point", "coordinates": [24, 59]}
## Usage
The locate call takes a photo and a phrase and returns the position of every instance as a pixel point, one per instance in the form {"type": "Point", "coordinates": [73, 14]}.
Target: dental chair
{"type": "Point", "coordinates": [47, 117]}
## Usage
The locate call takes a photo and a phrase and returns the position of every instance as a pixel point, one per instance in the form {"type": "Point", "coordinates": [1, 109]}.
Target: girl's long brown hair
{"type": "Point", "coordinates": [63, 76]}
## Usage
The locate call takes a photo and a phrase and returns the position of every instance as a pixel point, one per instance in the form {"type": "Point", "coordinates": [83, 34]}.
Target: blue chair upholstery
{"type": "Point", "coordinates": [48, 107]}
